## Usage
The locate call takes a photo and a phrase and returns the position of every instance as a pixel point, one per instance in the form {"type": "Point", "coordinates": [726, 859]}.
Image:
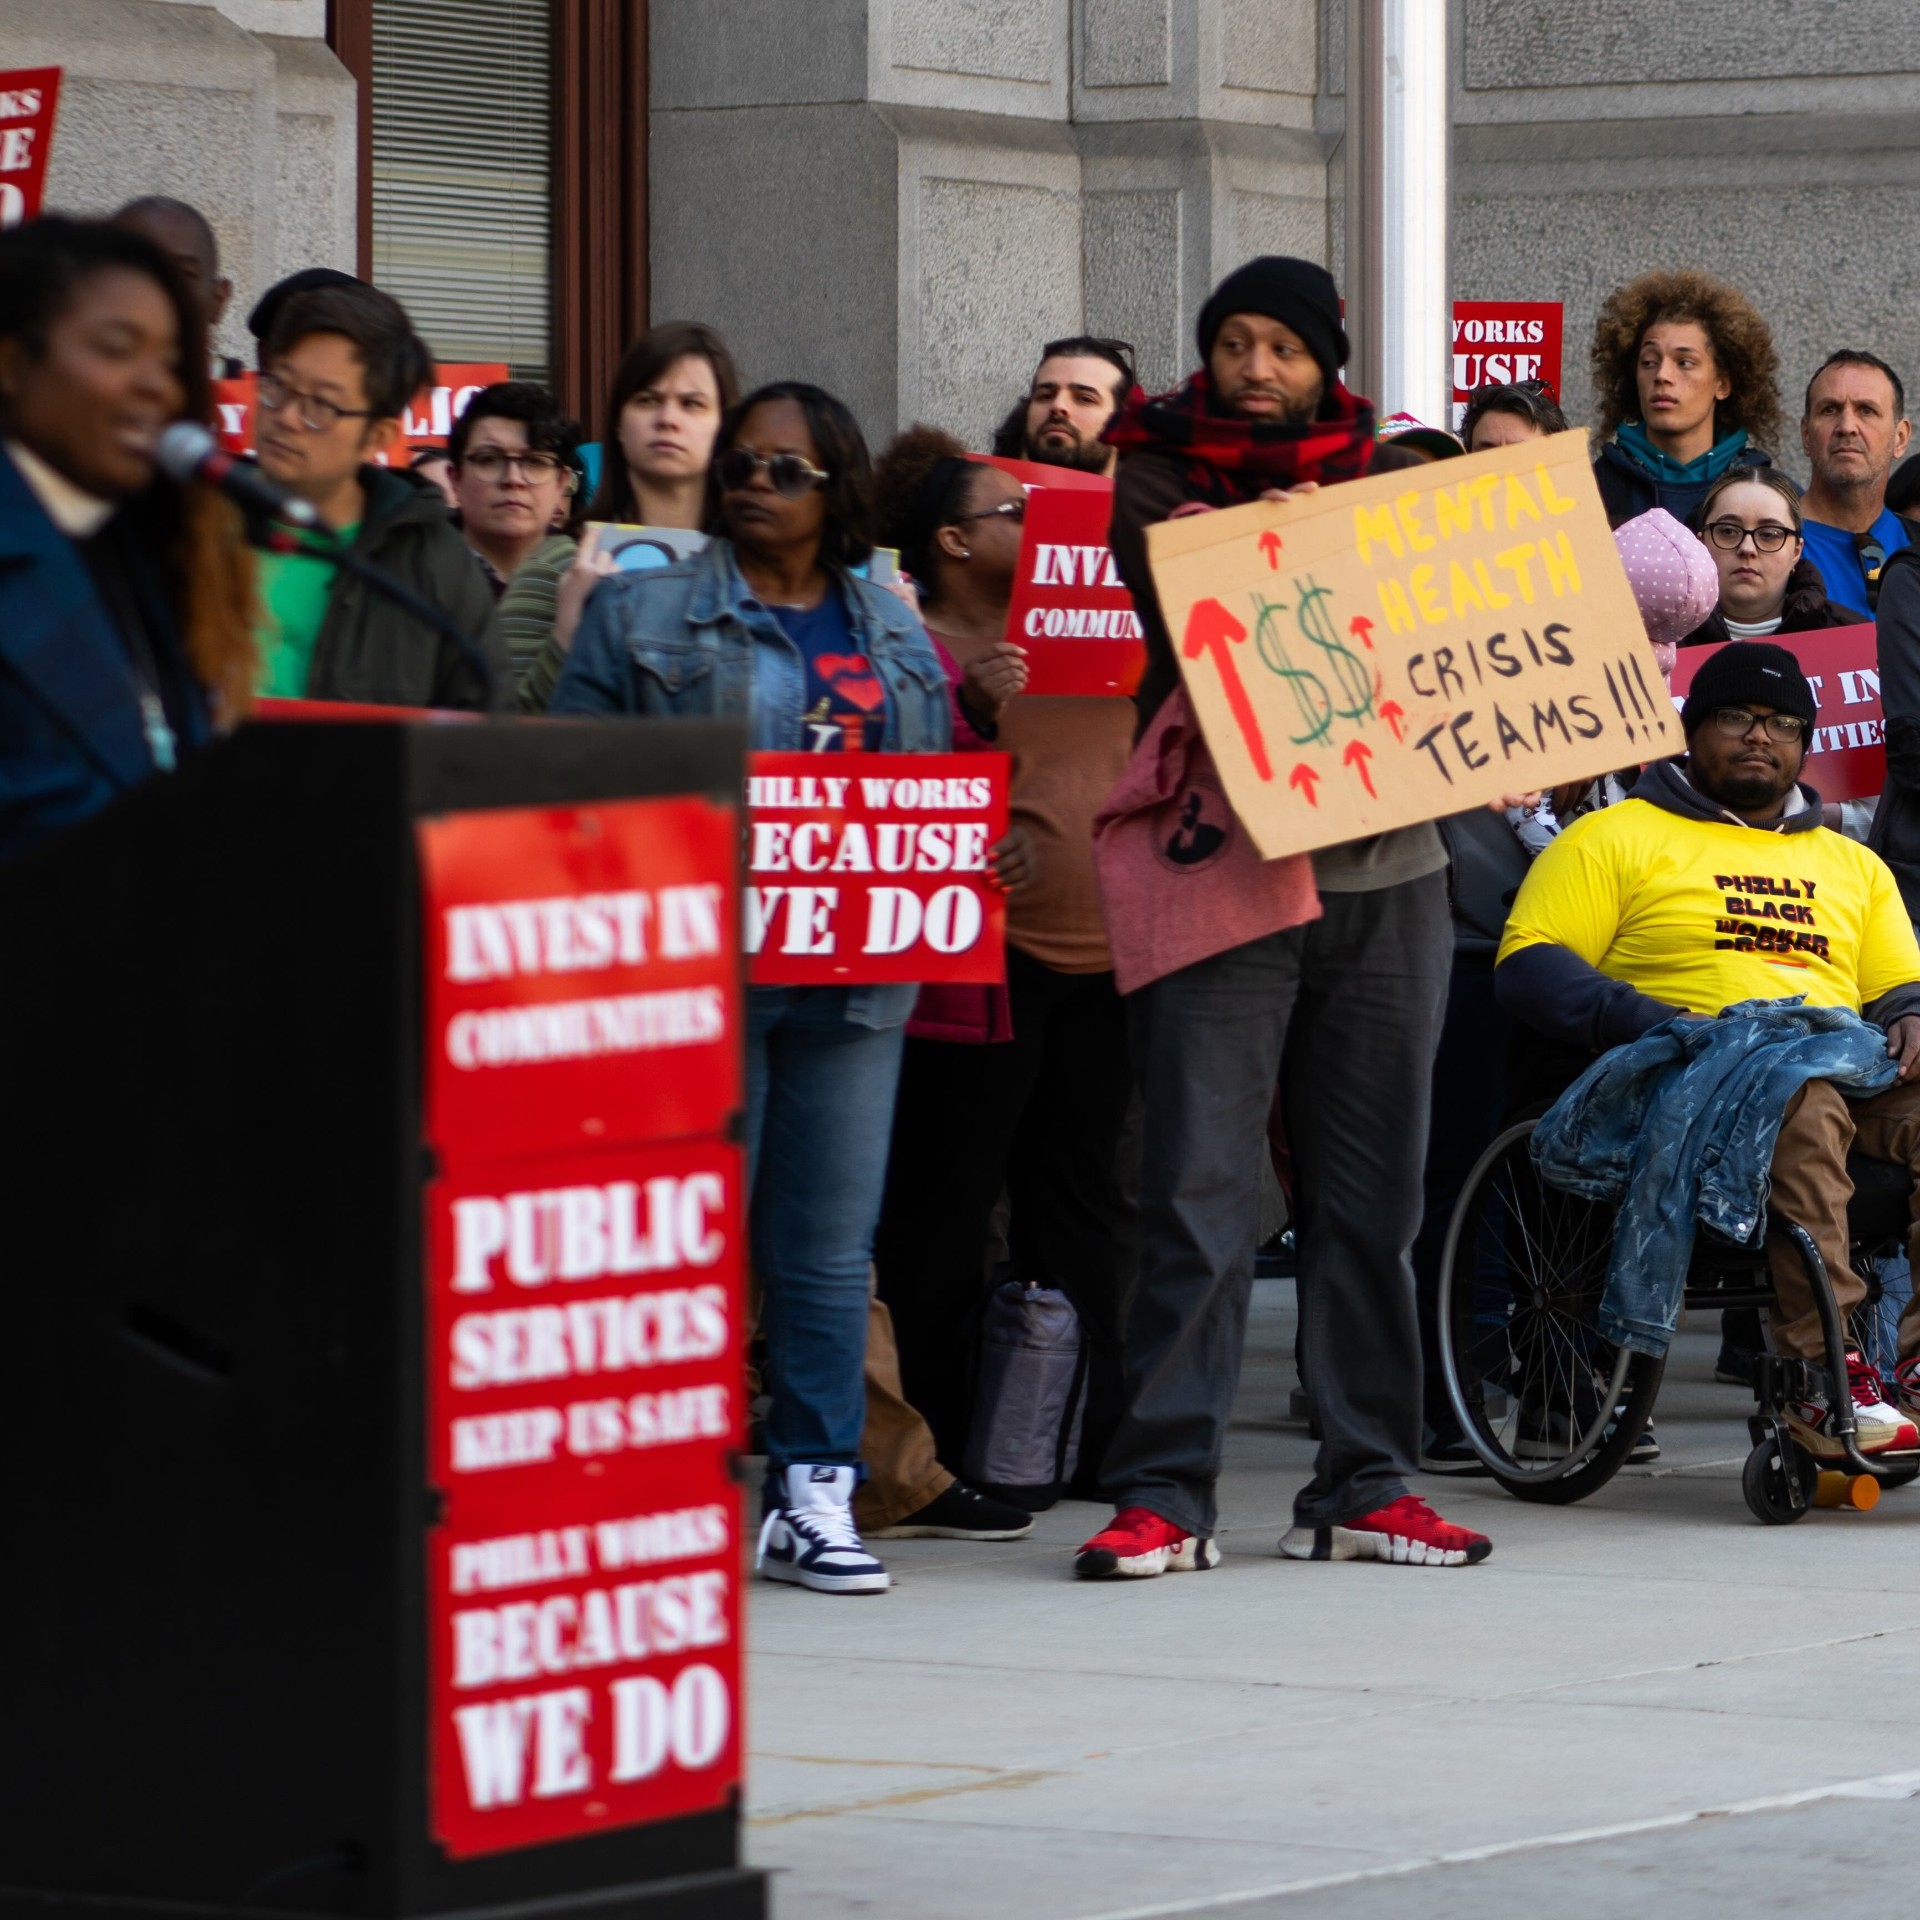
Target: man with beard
{"type": "Point", "coordinates": [1073, 396]}
{"type": "Point", "coordinates": [1344, 1012]}
{"type": "Point", "coordinates": [1713, 883]}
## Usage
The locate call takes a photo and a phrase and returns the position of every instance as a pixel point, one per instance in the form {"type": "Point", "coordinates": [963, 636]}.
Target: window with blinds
{"type": "Point", "coordinates": [462, 130]}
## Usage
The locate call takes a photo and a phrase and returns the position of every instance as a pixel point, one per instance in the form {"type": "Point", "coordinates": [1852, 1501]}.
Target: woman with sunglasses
{"type": "Point", "coordinates": [1750, 521]}
{"type": "Point", "coordinates": [770, 626]}
{"type": "Point", "coordinates": [1032, 1102]}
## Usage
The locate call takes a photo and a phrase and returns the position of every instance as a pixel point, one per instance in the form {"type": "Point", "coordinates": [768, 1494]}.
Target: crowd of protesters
{"type": "Point", "coordinates": [908, 1147]}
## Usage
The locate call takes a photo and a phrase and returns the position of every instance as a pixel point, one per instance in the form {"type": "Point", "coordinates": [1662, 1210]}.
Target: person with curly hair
{"type": "Point", "coordinates": [1686, 380]}
{"type": "Point", "coordinates": [125, 597]}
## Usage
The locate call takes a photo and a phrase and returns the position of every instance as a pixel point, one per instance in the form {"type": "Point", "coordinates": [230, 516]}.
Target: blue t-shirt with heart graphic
{"type": "Point", "coordinates": [846, 701]}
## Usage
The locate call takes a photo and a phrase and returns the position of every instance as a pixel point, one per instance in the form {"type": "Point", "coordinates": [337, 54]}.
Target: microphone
{"type": "Point", "coordinates": [188, 452]}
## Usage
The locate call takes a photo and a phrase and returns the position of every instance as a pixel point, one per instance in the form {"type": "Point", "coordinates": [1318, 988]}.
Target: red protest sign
{"type": "Point", "coordinates": [1070, 609]}
{"type": "Point", "coordinates": [1846, 752]}
{"type": "Point", "coordinates": [426, 423]}
{"type": "Point", "coordinates": [872, 867]}
{"type": "Point", "coordinates": [28, 97]}
{"type": "Point", "coordinates": [585, 1385]}
{"type": "Point", "coordinates": [429, 421]}
{"type": "Point", "coordinates": [582, 975]}
{"type": "Point", "coordinates": [1499, 343]}
{"type": "Point", "coordinates": [1032, 473]}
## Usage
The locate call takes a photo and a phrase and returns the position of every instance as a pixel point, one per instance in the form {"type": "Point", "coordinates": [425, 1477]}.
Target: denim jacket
{"type": "Point", "coordinates": [1678, 1128]}
{"type": "Point", "coordinates": [693, 641]}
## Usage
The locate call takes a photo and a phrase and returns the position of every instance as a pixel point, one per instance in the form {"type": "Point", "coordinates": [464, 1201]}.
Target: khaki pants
{"type": "Point", "coordinates": [896, 1445]}
{"type": "Point", "coordinates": [1811, 1187]}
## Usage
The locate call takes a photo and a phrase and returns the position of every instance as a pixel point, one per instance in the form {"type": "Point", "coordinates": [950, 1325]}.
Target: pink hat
{"type": "Point", "coordinates": [1672, 574]}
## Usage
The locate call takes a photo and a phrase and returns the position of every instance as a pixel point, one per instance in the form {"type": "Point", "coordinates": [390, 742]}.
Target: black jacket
{"type": "Point", "coordinates": [1628, 490]}
{"type": "Point", "coordinates": [372, 649]}
{"type": "Point", "coordinates": [1806, 610]}
{"type": "Point", "coordinates": [1895, 835]}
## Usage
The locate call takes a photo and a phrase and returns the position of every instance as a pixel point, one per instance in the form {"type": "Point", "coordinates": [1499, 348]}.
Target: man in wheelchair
{"type": "Point", "coordinates": [1713, 883]}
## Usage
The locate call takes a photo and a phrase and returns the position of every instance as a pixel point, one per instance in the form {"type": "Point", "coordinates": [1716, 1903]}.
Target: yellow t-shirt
{"type": "Point", "coordinates": [1702, 913]}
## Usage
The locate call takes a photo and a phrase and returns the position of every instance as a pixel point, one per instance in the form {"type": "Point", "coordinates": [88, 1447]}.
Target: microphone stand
{"type": "Point", "coordinates": [324, 544]}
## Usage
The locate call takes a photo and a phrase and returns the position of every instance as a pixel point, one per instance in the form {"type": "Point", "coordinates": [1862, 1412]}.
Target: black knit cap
{"type": "Point", "coordinates": [1297, 293]}
{"type": "Point", "coordinates": [266, 309]}
{"type": "Point", "coordinates": [1748, 673]}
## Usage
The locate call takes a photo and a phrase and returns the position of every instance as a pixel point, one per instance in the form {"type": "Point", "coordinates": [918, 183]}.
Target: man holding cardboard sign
{"type": "Point", "coordinates": [1348, 1006]}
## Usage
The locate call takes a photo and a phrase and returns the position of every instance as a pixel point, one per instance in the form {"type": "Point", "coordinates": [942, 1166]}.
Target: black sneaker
{"type": "Point", "coordinates": [1447, 1450]}
{"type": "Point", "coordinates": [961, 1513]}
{"type": "Point", "coordinates": [1732, 1368]}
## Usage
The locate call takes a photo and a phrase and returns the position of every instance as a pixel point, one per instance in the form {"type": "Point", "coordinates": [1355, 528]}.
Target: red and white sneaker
{"type": "Point", "coordinates": [1878, 1427]}
{"type": "Point", "coordinates": [1906, 1383]}
{"type": "Point", "coordinates": [1137, 1544]}
{"type": "Point", "coordinates": [1408, 1532]}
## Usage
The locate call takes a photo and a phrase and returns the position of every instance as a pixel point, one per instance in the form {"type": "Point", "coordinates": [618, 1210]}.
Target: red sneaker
{"type": "Point", "coordinates": [1408, 1532]}
{"type": "Point", "coordinates": [1137, 1544]}
{"type": "Point", "coordinates": [1877, 1427]}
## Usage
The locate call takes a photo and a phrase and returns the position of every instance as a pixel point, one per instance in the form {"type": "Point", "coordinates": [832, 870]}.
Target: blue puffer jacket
{"type": "Point", "coordinates": [1678, 1129]}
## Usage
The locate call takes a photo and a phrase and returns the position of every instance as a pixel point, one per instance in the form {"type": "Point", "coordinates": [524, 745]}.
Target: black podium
{"type": "Point", "coordinates": [213, 1474]}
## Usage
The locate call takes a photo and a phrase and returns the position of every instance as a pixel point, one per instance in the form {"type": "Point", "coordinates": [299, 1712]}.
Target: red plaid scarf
{"type": "Point", "coordinates": [1230, 460]}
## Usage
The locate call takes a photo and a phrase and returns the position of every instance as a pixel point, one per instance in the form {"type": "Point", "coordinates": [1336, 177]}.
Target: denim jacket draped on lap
{"type": "Point", "coordinates": [693, 641]}
{"type": "Point", "coordinates": [1678, 1129]}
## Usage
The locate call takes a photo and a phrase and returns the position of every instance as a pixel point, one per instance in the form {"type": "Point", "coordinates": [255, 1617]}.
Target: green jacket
{"type": "Point", "coordinates": [370, 648]}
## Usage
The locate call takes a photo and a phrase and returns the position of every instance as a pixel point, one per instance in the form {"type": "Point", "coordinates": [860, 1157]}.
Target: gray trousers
{"type": "Point", "coordinates": [1345, 1016]}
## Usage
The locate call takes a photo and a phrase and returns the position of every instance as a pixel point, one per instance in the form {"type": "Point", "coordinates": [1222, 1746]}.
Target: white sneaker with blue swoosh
{"type": "Point", "coordinates": [811, 1541]}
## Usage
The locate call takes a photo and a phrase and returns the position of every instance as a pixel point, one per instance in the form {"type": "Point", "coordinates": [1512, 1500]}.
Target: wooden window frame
{"type": "Point", "coordinates": [599, 286]}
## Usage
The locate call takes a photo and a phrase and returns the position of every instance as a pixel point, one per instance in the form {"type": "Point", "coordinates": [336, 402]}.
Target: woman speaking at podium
{"type": "Point", "coordinates": [770, 626]}
{"type": "Point", "coordinates": [124, 597]}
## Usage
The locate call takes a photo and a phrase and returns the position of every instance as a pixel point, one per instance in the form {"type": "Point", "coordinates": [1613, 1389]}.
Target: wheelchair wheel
{"type": "Point", "coordinates": [1549, 1406]}
{"type": "Point", "coordinates": [1764, 1482]}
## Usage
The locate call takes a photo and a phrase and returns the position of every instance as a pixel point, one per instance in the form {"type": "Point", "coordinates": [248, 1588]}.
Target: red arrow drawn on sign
{"type": "Point", "coordinates": [1304, 778]}
{"type": "Point", "coordinates": [1212, 629]}
{"type": "Point", "coordinates": [1270, 546]}
{"type": "Point", "coordinates": [1393, 713]}
{"type": "Point", "coordinates": [1357, 755]}
{"type": "Point", "coordinates": [1363, 627]}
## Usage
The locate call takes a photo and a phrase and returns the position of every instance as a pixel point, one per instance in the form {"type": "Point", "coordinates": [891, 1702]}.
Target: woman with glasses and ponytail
{"type": "Point", "coordinates": [770, 626]}
{"type": "Point", "coordinates": [1023, 1091]}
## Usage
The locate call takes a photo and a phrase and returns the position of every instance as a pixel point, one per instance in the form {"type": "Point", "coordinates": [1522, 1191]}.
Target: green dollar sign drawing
{"type": "Point", "coordinates": [1316, 705]}
{"type": "Point", "coordinates": [1349, 670]}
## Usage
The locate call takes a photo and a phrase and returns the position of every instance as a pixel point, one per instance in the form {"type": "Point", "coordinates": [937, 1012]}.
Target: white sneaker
{"type": "Point", "coordinates": [1878, 1427]}
{"type": "Point", "coordinates": [811, 1541]}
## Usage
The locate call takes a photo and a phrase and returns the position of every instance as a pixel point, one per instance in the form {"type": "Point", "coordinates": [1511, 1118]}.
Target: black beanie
{"type": "Point", "coordinates": [1297, 293]}
{"type": "Point", "coordinates": [1748, 673]}
{"type": "Point", "coordinates": [267, 308]}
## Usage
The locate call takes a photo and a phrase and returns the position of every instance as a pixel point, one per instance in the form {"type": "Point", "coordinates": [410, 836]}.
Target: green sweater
{"type": "Point", "coordinates": [526, 619]}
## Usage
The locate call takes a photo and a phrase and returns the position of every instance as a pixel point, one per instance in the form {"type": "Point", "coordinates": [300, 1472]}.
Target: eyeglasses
{"type": "Point", "coordinates": [787, 473]}
{"type": "Point", "coordinates": [1014, 510]}
{"type": "Point", "coordinates": [491, 463]}
{"type": "Point", "coordinates": [1769, 536]}
{"type": "Point", "coordinates": [313, 413]}
{"type": "Point", "coordinates": [1736, 723]}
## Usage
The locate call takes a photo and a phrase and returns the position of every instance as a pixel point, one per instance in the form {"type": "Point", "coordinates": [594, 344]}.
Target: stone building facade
{"type": "Point", "coordinates": [901, 198]}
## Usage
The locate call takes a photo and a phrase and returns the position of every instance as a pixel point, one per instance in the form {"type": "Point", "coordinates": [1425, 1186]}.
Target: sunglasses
{"type": "Point", "coordinates": [1014, 510]}
{"type": "Point", "coordinates": [787, 473]}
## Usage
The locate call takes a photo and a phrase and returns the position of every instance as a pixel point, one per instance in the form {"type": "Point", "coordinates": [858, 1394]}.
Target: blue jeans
{"type": "Point", "coordinates": [820, 1092]}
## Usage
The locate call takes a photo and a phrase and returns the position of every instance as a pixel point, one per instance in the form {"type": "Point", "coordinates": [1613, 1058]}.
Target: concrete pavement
{"type": "Point", "coordinates": [1647, 1702]}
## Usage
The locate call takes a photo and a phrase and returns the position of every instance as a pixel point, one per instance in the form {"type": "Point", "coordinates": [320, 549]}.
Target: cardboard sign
{"type": "Point", "coordinates": [426, 423]}
{"type": "Point", "coordinates": [1499, 343]}
{"type": "Point", "coordinates": [583, 970]}
{"type": "Point", "coordinates": [872, 867]}
{"type": "Point", "coordinates": [28, 99]}
{"type": "Point", "coordinates": [585, 1383]}
{"type": "Point", "coordinates": [1398, 648]}
{"type": "Point", "coordinates": [1846, 751]}
{"type": "Point", "coordinates": [1070, 609]}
